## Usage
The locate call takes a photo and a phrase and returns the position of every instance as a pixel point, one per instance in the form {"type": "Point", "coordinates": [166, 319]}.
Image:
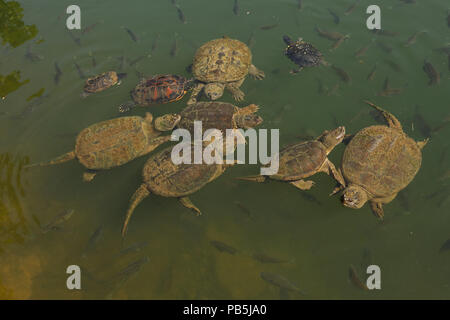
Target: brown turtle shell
{"type": "Point", "coordinates": [300, 160]}
{"type": "Point", "coordinates": [164, 178]}
{"type": "Point", "coordinates": [101, 82]}
{"type": "Point", "coordinates": [113, 142]}
{"type": "Point", "coordinates": [214, 115]}
{"type": "Point", "coordinates": [222, 60]}
{"type": "Point", "coordinates": [159, 89]}
{"type": "Point", "coordinates": [382, 160]}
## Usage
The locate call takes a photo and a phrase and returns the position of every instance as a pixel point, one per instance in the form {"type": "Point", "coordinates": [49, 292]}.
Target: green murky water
{"type": "Point", "coordinates": [318, 237]}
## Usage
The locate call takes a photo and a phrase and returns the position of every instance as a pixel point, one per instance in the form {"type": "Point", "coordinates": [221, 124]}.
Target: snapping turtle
{"type": "Point", "coordinates": [302, 54]}
{"type": "Point", "coordinates": [304, 159]}
{"type": "Point", "coordinates": [378, 162]}
{"type": "Point", "coordinates": [102, 82]}
{"type": "Point", "coordinates": [157, 89]}
{"type": "Point", "coordinates": [114, 142]}
{"type": "Point", "coordinates": [162, 177]}
{"type": "Point", "coordinates": [222, 64]}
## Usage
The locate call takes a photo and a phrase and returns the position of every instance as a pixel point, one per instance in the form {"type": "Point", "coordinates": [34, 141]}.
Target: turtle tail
{"type": "Point", "coordinates": [140, 194]}
{"type": "Point", "coordinates": [61, 159]}
{"type": "Point", "coordinates": [258, 178]}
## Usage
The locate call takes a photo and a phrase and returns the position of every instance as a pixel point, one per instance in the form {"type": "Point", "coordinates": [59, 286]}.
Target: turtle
{"type": "Point", "coordinates": [378, 162]}
{"type": "Point", "coordinates": [222, 64]}
{"type": "Point", "coordinates": [302, 53]}
{"type": "Point", "coordinates": [114, 142]}
{"type": "Point", "coordinates": [214, 115]}
{"type": "Point", "coordinates": [161, 176]}
{"type": "Point", "coordinates": [304, 159]}
{"type": "Point", "coordinates": [102, 82]}
{"type": "Point", "coordinates": [157, 89]}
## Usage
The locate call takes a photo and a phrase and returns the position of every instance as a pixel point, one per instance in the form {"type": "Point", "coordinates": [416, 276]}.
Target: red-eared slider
{"type": "Point", "coordinates": [114, 142]}
{"type": "Point", "coordinates": [164, 178]}
{"type": "Point", "coordinates": [102, 82]}
{"type": "Point", "coordinates": [158, 89]}
{"type": "Point", "coordinates": [304, 159]}
{"type": "Point", "coordinates": [222, 64]}
{"type": "Point", "coordinates": [302, 53]}
{"type": "Point", "coordinates": [378, 162]}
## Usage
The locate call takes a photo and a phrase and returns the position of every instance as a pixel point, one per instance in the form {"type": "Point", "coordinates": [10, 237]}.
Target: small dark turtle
{"type": "Point", "coordinates": [302, 54]}
{"type": "Point", "coordinates": [114, 142]}
{"type": "Point", "coordinates": [102, 82]}
{"type": "Point", "coordinates": [162, 177]}
{"type": "Point", "coordinates": [379, 162]}
{"type": "Point", "coordinates": [158, 89]}
{"type": "Point", "coordinates": [304, 159]}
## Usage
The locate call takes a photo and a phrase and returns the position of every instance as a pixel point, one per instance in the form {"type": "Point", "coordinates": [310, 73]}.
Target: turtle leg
{"type": "Point", "coordinates": [140, 194]}
{"type": "Point", "coordinates": [237, 93]}
{"type": "Point", "coordinates": [257, 178]}
{"type": "Point", "coordinates": [256, 73]}
{"type": "Point", "coordinates": [329, 168]}
{"type": "Point", "coordinates": [302, 184]}
{"type": "Point", "coordinates": [185, 201]}
{"type": "Point", "coordinates": [295, 71]}
{"type": "Point", "coordinates": [127, 106]}
{"type": "Point", "coordinates": [377, 209]}
{"type": "Point", "coordinates": [155, 143]}
{"type": "Point", "coordinates": [390, 118]}
{"type": "Point", "coordinates": [195, 92]}
{"type": "Point", "coordinates": [89, 175]}
{"type": "Point", "coordinates": [422, 144]}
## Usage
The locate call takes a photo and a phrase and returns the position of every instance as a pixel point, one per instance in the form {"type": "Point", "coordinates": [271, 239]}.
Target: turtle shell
{"type": "Point", "coordinates": [159, 89]}
{"type": "Point", "coordinates": [214, 115]}
{"type": "Point", "coordinates": [101, 82]}
{"type": "Point", "coordinates": [166, 179]}
{"type": "Point", "coordinates": [300, 160]}
{"type": "Point", "coordinates": [222, 60]}
{"type": "Point", "coordinates": [382, 160]}
{"type": "Point", "coordinates": [303, 54]}
{"type": "Point", "coordinates": [113, 142]}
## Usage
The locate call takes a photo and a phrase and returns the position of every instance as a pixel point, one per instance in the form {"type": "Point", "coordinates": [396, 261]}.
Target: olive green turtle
{"type": "Point", "coordinates": [222, 64]}
{"type": "Point", "coordinates": [379, 162]}
{"type": "Point", "coordinates": [114, 142]}
{"type": "Point", "coordinates": [302, 160]}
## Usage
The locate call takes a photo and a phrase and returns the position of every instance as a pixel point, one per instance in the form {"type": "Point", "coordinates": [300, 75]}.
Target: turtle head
{"type": "Point", "coordinates": [214, 90]}
{"type": "Point", "coordinates": [246, 121]}
{"type": "Point", "coordinates": [354, 197]}
{"type": "Point", "coordinates": [331, 139]}
{"type": "Point", "coordinates": [167, 122]}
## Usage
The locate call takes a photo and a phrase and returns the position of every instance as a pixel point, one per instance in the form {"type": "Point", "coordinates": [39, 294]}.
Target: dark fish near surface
{"type": "Point", "coordinates": [131, 34]}
{"type": "Point", "coordinates": [384, 46]}
{"type": "Point", "coordinates": [356, 281]}
{"type": "Point", "coordinates": [445, 50]}
{"type": "Point", "coordinates": [33, 57]}
{"type": "Point", "coordinates": [280, 281]}
{"type": "Point", "coordinates": [57, 221]}
{"type": "Point", "coordinates": [310, 198]}
{"type": "Point", "coordinates": [31, 107]}
{"type": "Point", "coordinates": [134, 248]}
{"type": "Point", "coordinates": [89, 28]}
{"type": "Point", "coordinates": [174, 49]}
{"type": "Point", "coordinates": [411, 40]}
{"type": "Point", "coordinates": [421, 124]}
{"type": "Point", "coordinates": [351, 8]}
{"type": "Point", "coordinates": [362, 51]}
{"type": "Point", "coordinates": [330, 35]}
{"type": "Point", "coordinates": [133, 267]}
{"type": "Point", "coordinates": [251, 40]}
{"type": "Point", "coordinates": [155, 42]}
{"type": "Point", "coordinates": [336, 18]}
{"type": "Point", "coordinates": [393, 65]}
{"type": "Point", "coordinates": [80, 72]}
{"type": "Point", "coordinates": [299, 4]}
{"type": "Point", "coordinates": [448, 18]}
{"type": "Point", "coordinates": [445, 246]}
{"type": "Point", "coordinates": [74, 38]}
{"type": "Point", "coordinates": [181, 16]}
{"type": "Point", "coordinates": [431, 72]}
{"type": "Point", "coordinates": [371, 75]}
{"type": "Point", "coordinates": [342, 74]}
{"type": "Point", "coordinates": [270, 26]}
{"type": "Point", "coordinates": [223, 247]}
{"type": "Point", "coordinates": [366, 258]}
{"type": "Point", "coordinates": [244, 209]}
{"type": "Point", "coordinates": [263, 258]}
{"type": "Point", "coordinates": [337, 43]}
{"type": "Point", "coordinates": [58, 73]}
{"type": "Point", "coordinates": [236, 7]}
{"type": "Point", "coordinates": [93, 240]}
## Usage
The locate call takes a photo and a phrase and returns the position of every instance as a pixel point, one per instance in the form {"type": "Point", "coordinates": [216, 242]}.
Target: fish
{"type": "Point", "coordinates": [355, 280]}
{"type": "Point", "coordinates": [404, 201]}
{"type": "Point", "coordinates": [181, 16]}
{"type": "Point", "coordinates": [80, 72]}
{"type": "Point", "coordinates": [74, 38]}
{"type": "Point", "coordinates": [131, 34]}
{"type": "Point", "coordinates": [408, 1]}
{"type": "Point", "coordinates": [244, 209]}
{"type": "Point", "coordinates": [270, 26]}
{"type": "Point", "coordinates": [431, 72]}
{"type": "Point", "coordinates": [155, 42]}
{"type": "Point", "coordinates": [412, 39]}
{"type": "Point", "coordinates": [337, 43]}
{"type": "Point", "coordinates": [444, 123]}
{"type": "Point", "coordinates": [362, 51]}
{"type": "Point", "coordinates": [421, 124]}
{"type": "Point", "coordinates": [133, 62]}
{"type": "Point", "coordinates": [94, 62]}
{"type": "Point", "coordinates": [448, 62]}
{"type": "Point", "coordinates": [310, 198]}
{"type": "Point", "coordinates": [223, 247]}
{"type": "Point", "coordinates": [236, 7]}
{"type": "Point", "coordinates": [384, 47]}
{"type": "Point", "coordinates": [58, 220]}
{"type": "Point", "coordinates": [366, 258]}
{"type": "Point", "coordinates": [263, 258]}
{"type": "Point", "coordinates": [58, 73]}
{"type": "Point", "coordinates": [336, 18]}
{"type": "Point", "coordinates": [393, 65]}
{"type": "Point", "coordinates": [351, 8]}
{"type": "Point", "coordinates": [174, 2]}
{"type": "Point", "coordinates": [330, 35]}
{"type": "Point", "coordinates": [89, 28]}
{"type": "Point", "coordinates": [122, 62]}
{"type": "Point", "coordinates": [280, 281]}
{"type": "Point", "coordinates": [445, 50]}
{"type": "Point", "coordinates": [33, 57]}
{"type": "Point", "coordinates": [251, 39]}
{"type": "Point", "coordinates": [31, 107]}
{"type": "Point", "coordinates": [383, 32]}
{"type": "Point", "coordinates": [341, 73]}
{"type": "Point", "coordinates": [137, 247]}
{"type": "Point", "coordinates": [299, 4]}
{"type": "Point", "coordinates": [93, 240]}
{"type": "Point", "coordinates": [445, 246]}
{"type": "Point", "coordinates": [371, 75]}
{"type": "Point", "coordinates": [448, 18]}
{"type": "Point", "coordinates": [174, 49]}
